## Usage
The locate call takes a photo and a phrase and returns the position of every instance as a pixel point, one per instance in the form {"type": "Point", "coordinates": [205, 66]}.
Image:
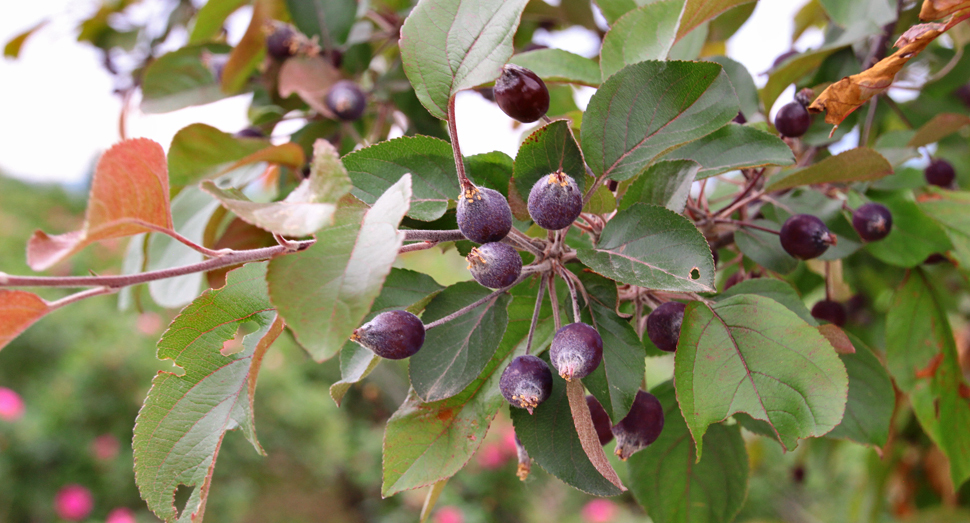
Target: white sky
{"type": "Point", "coordinates": [58, 112]}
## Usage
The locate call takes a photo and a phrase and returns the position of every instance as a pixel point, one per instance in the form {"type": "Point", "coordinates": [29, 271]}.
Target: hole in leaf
{"type": "Point", "coordinates": [230, 347]}
{"type": "Point", "coordinates": [695, 273]}
{"type": "Point", "coordinates": [182, 495]}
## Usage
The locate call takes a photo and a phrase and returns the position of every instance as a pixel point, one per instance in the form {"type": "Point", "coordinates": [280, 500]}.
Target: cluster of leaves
{"type": "Point", "coordinates": [749, 357]}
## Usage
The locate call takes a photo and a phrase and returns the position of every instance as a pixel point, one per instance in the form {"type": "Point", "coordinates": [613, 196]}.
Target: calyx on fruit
{"type": "Point", "coordinates": [526, 382]}
{"type": "Point", "coordinates": [483, 214]}
{"type": "Point", "coordinates": [555, 201]}
{"type": "Point", "coordinates": [576, 351]}
{"type": "Point", "coordinates": [494, 265]}
{"type": "Point", "coordinates": [394, 335]}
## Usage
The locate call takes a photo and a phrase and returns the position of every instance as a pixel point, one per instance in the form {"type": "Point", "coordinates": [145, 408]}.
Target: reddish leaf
{"type": "Point", "coordinates": [129, 195]}
{"type": "Point", "coordinates": [18, 310]}
{"type": "Point", "coordinates": [309, 77]}
{"type": "Point", "coordinates": [587, 432]}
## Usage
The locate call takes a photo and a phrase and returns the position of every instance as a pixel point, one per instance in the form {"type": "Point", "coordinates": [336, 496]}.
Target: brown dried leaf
{"type": "Point", "coordinates": [129, 195]}
{"type": "Point", "coordinates": [310, 77]}
{"type": "Point", "coordinates": [936, 9]}
{"type": "Point", "coordinates": [848, 94]}
{"type": "Point", "coordinates": [587, 432]}
{"type": "Point", "coordinates": [18, 310]}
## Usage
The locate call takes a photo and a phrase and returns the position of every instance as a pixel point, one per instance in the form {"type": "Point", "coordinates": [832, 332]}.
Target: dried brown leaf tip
{"type": "Point", "coordinates": [936, 9]}
{"type": "Point", "coordinates": [848, 94]}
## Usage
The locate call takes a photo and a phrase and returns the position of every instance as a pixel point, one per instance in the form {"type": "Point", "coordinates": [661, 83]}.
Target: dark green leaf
{"type": "Point", "coordinates": [764, 247]}
{"type": "Point", "coordinates": [777, 290]}
{"type": "Point", "coordinates": [751, 354]}
{"type": "Point", "coordinates": [665, 183]}
{"type": "Point", "coordinates": [734, 147]}
{"type": "Point", "coordinates": [181, 79]}
{"type": "Point", "coordinates": [673, 486]}
{"type": "Point", "coordinates": [741, 79]}
{"type": "Point", "coordinates": [914, 235]}
{"type": "Point", "coordinates": [653, 247]}
{"type": "Point", "coordinates": [492, 170]}
{"type": "Point", "coordinates": [951, 209]}
{"type": "Point", "coordinates": [210, 19]}
{"type": "Point", "coordinates": [330, 20]}
{"type": "Point", "coordinates": [650, 108]}
{"type": "Point", "coordinates": [548, 149]}
{"type": "Point", "coordinates": [430, 162]}
{"type": "Point", "coordinates": [180, 428]}
{"type": "Point", "coordinates": [325, 292]}
{"type": "Point", "coordinates": [451, 45]}
{"type": "Point", "coordinates": [645, 33]}
{"type": "Point", "coordinates": [556, 65]}
{"type": "Point", "coordinates": [854, 165]}
{"type": "Point", "coordinates": [871, 400]}
{"type": "Point", "coordinates": [455, 353]}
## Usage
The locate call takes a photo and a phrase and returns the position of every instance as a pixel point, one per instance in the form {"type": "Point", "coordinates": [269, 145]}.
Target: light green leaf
{"type": "Point", "coordinates": [939, 127]}
{"type": "Point", "coordinates": [181, 79]}
{"type": "Point", "coordinates": [855, 165]}
{"type": "Point", "coordinates": [210, 19]}
{"type": "Point", "coordinates": [734, 147]}
{"type": "Point", "coordinates": [666, 183]}
{"type": "Point", "coordinates": [451, 45]}
{"type": "Point", "coordinates": [751, 354]}
{"type": "Point", "coordinates": [556, 65]}
{"type": "Point", "coordinates": [645, 33]}
{"type": "Point", "coordinates": [199, 151]}
{"type": "Point", "coordinates": [329, 20]}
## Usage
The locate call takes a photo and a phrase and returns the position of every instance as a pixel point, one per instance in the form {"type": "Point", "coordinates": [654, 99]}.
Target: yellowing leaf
{"type": "Point", "coordinates": [18, 310]}
{"type": "Point", "coordinates": [129, 195]}
{"type": "Point", "coordinates": [696, 12]}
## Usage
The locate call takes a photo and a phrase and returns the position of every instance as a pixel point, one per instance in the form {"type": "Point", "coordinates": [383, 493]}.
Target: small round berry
{"type": "Point", "coordinates": [641, 427]}
{"type": "Point", "coordinates": [555, 201]}
{"type": "Point", "coordinates": [483, 215]}
{"type": "Point", "coordinates": [394, 335]}
{"type": "Point", "coordinates": [940, 173]}
{"type": "Point", "coordinates": [792, 120]}
{"type": "Point", "coordinates": [346, 100]}
{"type": "Point", "coordinates": [740, 119]}
{"type": "Point", "coordinates": [494, 265]}
{"type": "Point", "coordinates": [830, 311]}
{"type": "Point", "coordinates": [805, 236]}
{"type": "Point", "coordinates": [934, 259]}
{"type": "Point", "coordinates": [250, 132]}
{"type": "Point", "coordinates": [601, 420]}
{"type": "Point", "coordinates": [282, 42]}
{"type": "Point", "coordinates": [521, 94]}
{"type": "Point", "coordinates": [526, 382]}
{"type": "Point", "coordinates": [576, 351]}
{"type": "Point", "coordinates": [872, 221]}
{"type": "Point", "coordinates": [663, 325]}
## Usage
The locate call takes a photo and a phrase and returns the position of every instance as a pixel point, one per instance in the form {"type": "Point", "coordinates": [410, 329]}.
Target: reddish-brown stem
{"type": "Point", "coordinates": [187, 242]}
{"type": "Point", "coordinates": [78, 296]}
{"type": "Point", "coordinates": [739, 200]}
{"type": "Point", "coordinates": [463, 180]}
{"type": "Point", "coordinates": [450, 235]}
{"type": "Point", "coordinates": [474, 305]}
{"type": "Point", "coordinates": [746, 224]}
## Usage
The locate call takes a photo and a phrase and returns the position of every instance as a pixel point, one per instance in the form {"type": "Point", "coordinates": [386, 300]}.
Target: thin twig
{"type": "Point", "coordinates": [739, 199]}
{"type": "Point", "coordinates": [572, 293]}
{"type": "Point", "coordinates": [557, 322]}
{"type": "Point", "coordinates": [515, 241]}
{"type": "Point", "coordinates": [78, 296]}
{"type": "Point", "coordinates": [535, 315]}
{"type": "Point", "coordinates": [870, 119]}
{"type": "Point", "coordinates": [187, 242]}
{"type": "Point", "coordinates": [420, 246]}
{"type": "Point", "coordinates": [746, 224]}
{"type": "Point", "coordinates": [467, 308]}
{"type": "Point", "coordinates": [463, 181]}
{"type": "Point", "coordinates": [451, 235]}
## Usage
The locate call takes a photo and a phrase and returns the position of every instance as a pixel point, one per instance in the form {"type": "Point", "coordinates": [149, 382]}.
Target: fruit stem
{"type": "Point", "coordinates": [463, 180]}
{"type": "Point", "coordinates": [472, 306]}
{"type": "Point", "coordinates": [554, 301]}
{"type": "Point", "coordinates": [737, 202]}
{"type": "Point", "coordinates": [517, 242]}
{"type": "Point", "coordinates": [535, 315]}
{"type": "Point", "coordinates": [451, 235]}
{"type": "Point", "coordinates": [78, 296]}
{"type": "Point", "coordinates": [746, 224]}
{"type": "Point", "coordinates": [572, 293]}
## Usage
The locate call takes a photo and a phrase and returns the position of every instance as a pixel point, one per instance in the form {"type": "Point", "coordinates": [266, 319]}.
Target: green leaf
{"type": "Point", "coordinates": [690, 46]}
{"type": "Point", "coordinates": [650, 108]}
{"type": "Point", "coordinates": [951, 209]}
{"type": "Point", "coordinates": [602, 201]}
{"type": "Point", "coordinates": [939, 127]}
{"type": "Point", "coordinates": [734, 147]}
{"type": "Point", "coordinates": [776, 290]}
{"type": "Point", "coordinates": [670, 483]}
{"type": "Point", "coordinates": [210, 19]}
{"type": "Point", "coordinates": [200, 151]}
{"type": "Point", "coordinates": [325, 292]}
{"type": "Point", "coordinates": [847, 13]}
{"type": "Point", "coordinates": [191, 210]}
{"type": "Point", "coordinates": [180, 428]}
{"type": "Point", "coordinates": [451, 45]}
{"type": "Point", "coordinates": [550, 437]}
{"type": "Point", "coordinates": [652, 247]}
{"type": "Point", "coordinates": [15, 44]}
{"type": "Point", "coordinates": [665, 183]}
{"type": "Point", "coordinates": [871, 400]}
{"type": "Point", "coordinates": [914, 330]}
{"type": "Point", "coordinates": [455, 353]}
{"type": "Point", "coordinates": [751, 354]}
{"type": "Point", "coordinates": [548, 149]}
{"type": "Point", "coordinates": [697, 12]}
{"type": "Point", "coordinates": [181, 79]}
{"type": "Point", "coordinates": [430, 162]}
{"type": "Point", "coordinates": [556, 65]}
{"type": "Point", "coordinates": [743, 84]}
{"type": "Point", "coordinates": [764, 247]}
{"type": "Point", "coordinates": [645, 33]}
{"type": "Point", "coordinates": [492, 170]}
{"type": "Point", "coordinates": [427, 442]}
{"type": "Point", "coordinates": [304, 211]}
{"type": "Point", "coordinates": [613, 9]}
{"type": "Point", "coordinates": [617, 379]}
{"type": "Point", "coordinates": [329, 20]}
{"type": "Point", "coordinates": [914, 235]}
{"type": "Point", "coordinates": [855, 165]}
{"type": "Point", "coordinates": [402, 289]}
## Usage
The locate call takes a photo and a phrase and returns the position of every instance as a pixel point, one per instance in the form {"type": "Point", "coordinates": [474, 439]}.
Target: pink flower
{"type": "Point", "coordinates": [121, 515]}
{"type": "Point", "coordinates": [11, 405]}
{"type": "Point", "coordinates": [491, 457]}
{"type": "Point", "coordinates": [105, 447]}
{"type": "Point", "coordinates": [599, 511]}
{"type": "Point", "coordinates": [73, 503]}
{"type": "Point", "coordinates": [449, 514]}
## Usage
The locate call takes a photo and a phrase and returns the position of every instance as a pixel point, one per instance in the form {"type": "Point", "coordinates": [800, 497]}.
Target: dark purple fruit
{"type": "Point", "coordinates": [934, 258]}
{"type": "Point", "coordinates": [740, 119]}
{"type": "Point", "coordinates": [641, 427]}
{"type": "Point", "coordinates": [250, 132]}
{"type": "Point", "coordinates": [792, 120]}
{"type": "Point", "coordinates": [494, 265]}
{"type": "Point", "coordinates": [526, 382]}
{"type": "Point", "coordinates": [394, 335]}
{"type": "Point", "coordinates": [521, 94]}
{"type": "Point", "coordinates": [282, 42]}
{"type": "Point", "coordinates": [872, 221]}
{"type": "Point", "coordinates": [805, 236]}
{"type": "Point", "coordinates": [940, 173]}
{"type": "Point", "coordinates": [483, 215]}
{"type": "Point", "coordinates": [576, 351]}
{"type": "Point", "coordinates": [555, 201]}
{"type": "Point", "coordinates": [663, 325]}
{"type": "Point", "coordinates": [830, 311]}
{"type": "Point", "coordinates": [346, 100]}
{"type": "Point", "coordinates": [601, 420]}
